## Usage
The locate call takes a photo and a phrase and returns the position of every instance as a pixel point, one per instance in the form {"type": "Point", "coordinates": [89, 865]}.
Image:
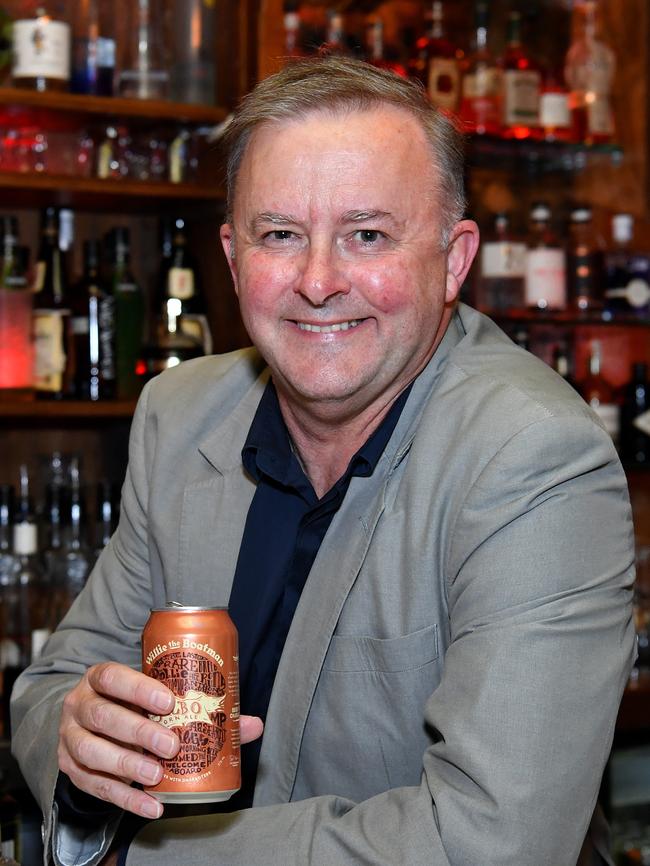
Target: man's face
{"type": "Point", "coordinates": [338, 265]}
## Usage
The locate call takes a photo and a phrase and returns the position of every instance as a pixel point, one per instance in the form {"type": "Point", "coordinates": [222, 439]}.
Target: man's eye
{"type": "Point", "coordinates": [278, 235]}
{"type": "Point", "coordinates": [369, 236]}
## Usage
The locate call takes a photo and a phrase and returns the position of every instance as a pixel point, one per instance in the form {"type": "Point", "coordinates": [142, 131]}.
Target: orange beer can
{"type": "Point", "coordinates": [194, 652]}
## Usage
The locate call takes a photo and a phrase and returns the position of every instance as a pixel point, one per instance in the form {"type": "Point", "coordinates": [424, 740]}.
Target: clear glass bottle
{"type": "Point", "coordinates": [16, 346]}
{"type": "Point", "coordinates": [589, 70]}
{"type": "Point", "coordinates": [192, 72]}
{"type": "Point", "coordinates": [480, 107]}
{"type": "Point", "coordinates": [545, 276]}
{"type": "Point", "coordinates": [107, 513]}
{"type": "Point", "coordinates": [600, 394]}
{"type": "Point", "coordinates": [584, 262]}
{"type": "Point", "coordinates": [521, 86]}
{"type": "Point", "coordinates": [145, 74]}
{"type": "Point", "coordinates": [41, 48]}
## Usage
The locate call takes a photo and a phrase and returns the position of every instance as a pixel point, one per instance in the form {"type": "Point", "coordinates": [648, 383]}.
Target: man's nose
{"type": "Point", "coordinates": [321, 275]}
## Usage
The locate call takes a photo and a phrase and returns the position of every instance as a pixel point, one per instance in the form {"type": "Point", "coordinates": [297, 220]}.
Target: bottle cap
{"type": "Point", "coordinates": [622, 227]}
{"type": "Point", "coordinates": [581, 215]}
{"type": "Point", "coordinates": [540, 211]}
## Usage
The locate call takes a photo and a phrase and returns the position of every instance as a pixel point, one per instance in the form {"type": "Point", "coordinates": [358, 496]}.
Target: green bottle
{"type": "Point", "coordinates": [129, 316]}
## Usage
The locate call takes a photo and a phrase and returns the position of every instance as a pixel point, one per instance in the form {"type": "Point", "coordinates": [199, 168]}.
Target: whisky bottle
{"type": "Point", "coordinates": [521, 86]}
{"type": "Point", "coordinates": [16, 349]}
{"type": "Point", "coordinates": [480, 107]}
{"type": "Point", "coordinates": [545, 275]}
{"type": "Point", "coordinates": [635, 418]}
{"type": "Point", "coordinates": [41, 49]}
{"type": "Point", "coordinates": [584, 262]}
{"type": "Point", "coordinates": [503, 265]}
{"type": "Point", "coordinates": [54, 361]}
{"type": "Point", "coordinates": [436, 62]}
{"type": "Point", "coordinates": [599, 394]}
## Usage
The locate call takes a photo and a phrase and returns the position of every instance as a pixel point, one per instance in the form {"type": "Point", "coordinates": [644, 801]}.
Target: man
{"type": "Point", "coordinates": [429, 533]}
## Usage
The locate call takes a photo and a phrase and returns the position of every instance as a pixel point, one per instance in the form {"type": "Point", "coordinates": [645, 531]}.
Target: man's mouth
{"type": "Point", "coordinates": [329, 329]}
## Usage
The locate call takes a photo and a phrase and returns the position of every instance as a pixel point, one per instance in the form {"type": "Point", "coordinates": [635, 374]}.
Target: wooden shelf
{"type": "Point", "coordinates": [146, 110]}
{"type": "Point", "coordinates": [52, 410]}
{"type": "Point", "coordinates": [19, 189]}
{"type": "Point", "coordinates": [566, 318]}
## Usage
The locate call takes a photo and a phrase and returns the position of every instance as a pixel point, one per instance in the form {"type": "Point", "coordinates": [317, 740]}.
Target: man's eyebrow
{"type": "Point", "coordinates": [357, 216]}
{"type": "Point", "coordinates": [266, 217]}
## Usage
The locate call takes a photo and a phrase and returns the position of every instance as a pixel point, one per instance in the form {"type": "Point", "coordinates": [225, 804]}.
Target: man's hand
{"type": "Point", "coordinates": [103, 732]}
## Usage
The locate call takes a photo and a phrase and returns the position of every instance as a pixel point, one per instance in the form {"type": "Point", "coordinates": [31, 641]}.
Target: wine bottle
{"type": "Point", "coordinates": [129, 316]}
{"type": "Point", "coordinates": [16, 349]}
{"type": "Point", "coordinates": [599, 393]}
{"type": "Point", "coordinates": [41, 49]}
{"type": "Point", "coordinates": [545, 277]}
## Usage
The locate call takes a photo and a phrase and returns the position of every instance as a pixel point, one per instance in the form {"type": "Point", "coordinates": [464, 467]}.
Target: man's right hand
{"type": "Point", "coordinates": [103, 732]}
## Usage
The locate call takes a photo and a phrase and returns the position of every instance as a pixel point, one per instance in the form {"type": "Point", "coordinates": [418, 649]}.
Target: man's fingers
{"type": "Point", "coordinates": [250, 728]}
{"type": "Point", "coordinates": [133, 687]}
{"type": "Point", "coordinates": [114, 791]}
{"type": "Point", "coordinates": [104, 717]}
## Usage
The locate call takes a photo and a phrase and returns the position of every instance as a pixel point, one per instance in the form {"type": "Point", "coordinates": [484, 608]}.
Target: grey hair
{"type": "Point", "coordinates": [336, 84]}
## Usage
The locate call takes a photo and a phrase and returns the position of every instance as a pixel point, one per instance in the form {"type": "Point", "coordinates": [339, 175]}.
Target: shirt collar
{"type": "Point", "coordinates": [268, 451]}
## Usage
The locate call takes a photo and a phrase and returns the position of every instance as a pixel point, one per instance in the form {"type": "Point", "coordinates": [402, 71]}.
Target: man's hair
{"type": "Point", "coordinates": [337, 84]}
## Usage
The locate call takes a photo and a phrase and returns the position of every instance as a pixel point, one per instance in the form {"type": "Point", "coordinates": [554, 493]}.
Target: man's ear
{"type": "Point", "coordinates": [227, 234]}
{"type": "Point", "coordinates": [462, 248]}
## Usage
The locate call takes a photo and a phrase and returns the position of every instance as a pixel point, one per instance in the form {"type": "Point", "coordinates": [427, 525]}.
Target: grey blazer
{"type": "Point", "coordinates": [449, 687]}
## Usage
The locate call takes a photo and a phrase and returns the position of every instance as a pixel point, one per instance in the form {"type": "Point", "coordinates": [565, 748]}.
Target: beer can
{"type": "Point", "coordinates": [194, 652]}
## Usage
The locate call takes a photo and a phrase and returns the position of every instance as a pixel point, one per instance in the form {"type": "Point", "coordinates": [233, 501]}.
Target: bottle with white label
{"type": "Point", "coordinates": [599, 394]}
{"type": "Point", "coordinates": [545, 276]}
{"type": "Point", "coordinates": [41, 49]}
{"type": "Point", "coordinates": [521, 86]}
{"type": "Point", "coordinates": [435, 62]}
{"type": "Point", "coordinates": [503, 265]}
{"type": "Point", "coordinates": [635, 418]}
{"type": "Point", "coordinates": [627, 271]}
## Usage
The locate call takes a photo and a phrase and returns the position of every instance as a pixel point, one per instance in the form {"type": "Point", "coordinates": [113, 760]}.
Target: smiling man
{"type": "Point", "coordinates": [422, 534]}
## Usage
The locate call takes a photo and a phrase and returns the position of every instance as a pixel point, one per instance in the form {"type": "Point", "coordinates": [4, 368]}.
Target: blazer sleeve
{"type": "Point", "coordinates": [539, 581]}
{"type": "Point", "coordinates": [105, 622]}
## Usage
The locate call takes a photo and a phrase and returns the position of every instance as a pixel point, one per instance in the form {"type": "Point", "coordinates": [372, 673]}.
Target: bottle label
{"type": "Point", "coordinates": [177, 159]}
{"type": "Point", "coordinates": [503, 259]}
{"type": "Point", "coordinates": [642, 422]}
{"type": "Point", "coordinates": [521, 92]}
{"type": "Point", "coordinates": [599, 116]}
{"type": "Point", "coordinates": [180, 283]}
{"type": "Point", "coordinates": [483, 83]}
{"type": "Point", "coordinates": [41, 49]}
{"type": "Point", "coordinates": [25, 538]}
{"type": "Point", "coordinates": [107, 338]}
{"type": "Point", "coordinates": [554, 111]}
{"type": "Point", "coordinates": [39, 277]}
{"type": "Point", "coordinates": [545, 280]}
{"type": "Point", "coordinates": [39, 637]}
{"type": "Point", "coordinates": [50, 355]}
{"type": "Point", "coordinates": [444, 82]}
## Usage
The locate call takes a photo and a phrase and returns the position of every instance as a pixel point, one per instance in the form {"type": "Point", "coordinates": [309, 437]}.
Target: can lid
{"type": "Point", "coordinates": [177, 607]}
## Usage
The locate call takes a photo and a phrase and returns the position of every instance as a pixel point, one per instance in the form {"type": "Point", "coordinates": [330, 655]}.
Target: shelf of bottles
{"type": "Point", "coordinates": [84, 113]}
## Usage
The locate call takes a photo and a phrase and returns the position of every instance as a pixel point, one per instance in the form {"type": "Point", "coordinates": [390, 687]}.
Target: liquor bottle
{"type": "Point", "coordinates": [521, 86]}
{"type": "Point", "coordinates": [107, 502]}
{"type": "Point", "coordinates": [144, 75]}
{"type": "Point", "coordinates": [129, 316]}
{"type": "Point", "coordinates": [181, 285]}
{"type": "Point", "coordinates": [480, 107]}
{"type": "Point", "coordinates": [584, 262]}
{"type": "Point", "coordinates": [93, 50]}
{"type": "Point", "coordinates": [589, 71]}
{"type": "Point", "coordinates": [627, 272]}
{"type": "Point", "coordinates": [554, 110]}
{"type": "Point", "coordinates": [31, 621]}
{"type": "Point", "coordinates": [51, 545]}
{"type": "Point", "coordinates": [436, 62]}
{"type": "Point", "coordinates": [599, 394]}
{"type": "Point", "coordinates": [54, 343]}
{"type": "Point", "coordinates": [9, 567]}
{"type": "Point", "coordinates": [192, 72]}
{"type": "Point", "coordinates": [503, 265]}
{"type": "Point", "coordinates": [41, 49]}
{"type": "Point", "coordinates": [292, 47]}
{"type": "Point", "coordinates": [545, 277]}
{"type": "Point", "coordinates": [76, 558]}
{"type": "Point", "coordinates": [562, 364]}
{"type": "Point", "coordinates": [335, 37]}
{"type": "Point", "coordinates": [635, 418]}
{"type": "Point", "coordinates": [93, 309]}
{"type": "Point", "coordinates": [16, 348]}
{"type": "Point", "coordinates": [375, 50]}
